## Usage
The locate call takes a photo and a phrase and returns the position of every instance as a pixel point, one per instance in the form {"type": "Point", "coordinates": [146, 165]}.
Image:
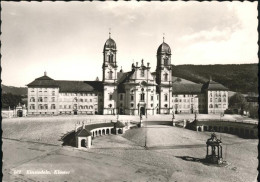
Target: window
{"type": "Point", "coordinates": [151, 98]}
{"type": "Point", "coordinates": [75, 99]}
{"type": "Point", "coordinates": [53, 106]}
{"type": "Point", "coordinates": [32, 99]}
{"type": "Point", "coordinates": [45, 106]}
{"type": "Point", "coordinates": [81, 100]}
{"type": "Point", "coordinates": [110, 58]}
{"type": "Point", "coordinates": [86, 107]}
{"type": "Point", "coordinates": [69, 106]}
{"type": "Point", "coordinates": [165, 77]}
{"type": "Point", "coordinates": [165, 97]}
{"type": "Point", "coordinates": [151, 105]}
{"type": "Point", "coordinates": [224, 99]}
{"type": "Point", "coordinates": [210, 106]}
{"type": "Point", "coordinates": [32, 90]}
{"type": "Point", "coordinates": [40, 99]}
{"type": "Point", "coordinates": [216, 106]}
{"type": "Point", "coordinates": [132, 105]}
{"type": "Point", "coordinates": [210, 99]}
{"type": "Point", "coordinates": [45, 99]}
{"type": "Point", "coordinates": [191, 99]}
{"type": "Point", "coordinates": [110, 74]}
{"type": "Point", "coordinates": [142, 73]}
{"type": "Point", "coordinates": [90, 100]}
{"type": "Point", "coordinates": [132, 97]}
{"type": "Point", "coordinates": [121, 96]}
{"type": "Point", "coordinates": [53, 99]}
{"type": "Point", "coordinates": [165, 105]}
{"type": "Point", "coordinates": [142, 97]}
{"type": "Point", "coordinates": [121, 105]}
{"type": "Point", "coordinates": [32, 106]}
{"type": "Point", "coordinates": [176, 100]}
{"type": "Point", "coordinates": [40, 106]}
{"type": "Point", "coordinates": [60, 106]}
{"type": "Point", "coordinates": [219, 99]}
{"type": "Point", "coordinates": [165, 61]}
{"type": "Point", "coordinates": [65, 107]}
{"type": "Point", "coordinates": [53, 92]}
{"type": "Point", "coordinates": [110, 96]}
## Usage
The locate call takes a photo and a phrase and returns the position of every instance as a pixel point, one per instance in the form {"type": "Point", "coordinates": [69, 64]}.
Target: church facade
{"type": "Point", "coordinates": [138, 91]}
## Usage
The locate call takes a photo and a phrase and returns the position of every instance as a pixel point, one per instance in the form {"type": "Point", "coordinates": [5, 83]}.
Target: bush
{"type": "Point", "coordinates": [228, 111]}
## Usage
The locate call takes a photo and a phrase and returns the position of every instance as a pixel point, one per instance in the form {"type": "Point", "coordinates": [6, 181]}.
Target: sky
{"type": "Point", "coordinates": [66, 39]}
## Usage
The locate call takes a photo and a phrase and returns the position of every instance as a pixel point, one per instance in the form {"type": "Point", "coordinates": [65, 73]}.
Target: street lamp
{"type": "Point", "coordinates": [173, 117]}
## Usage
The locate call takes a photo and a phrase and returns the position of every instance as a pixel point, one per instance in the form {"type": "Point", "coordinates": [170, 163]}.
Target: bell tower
{"type": "Point", "coordinates": [110, 77]}
{"type": "Point", "coordinates": [109, 61]}
{"type": "Point", "coordinates": [164, 78]}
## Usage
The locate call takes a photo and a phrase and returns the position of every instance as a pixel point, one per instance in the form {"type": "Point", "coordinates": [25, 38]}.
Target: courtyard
{"type": "Point", "coordinates": [33, 151]}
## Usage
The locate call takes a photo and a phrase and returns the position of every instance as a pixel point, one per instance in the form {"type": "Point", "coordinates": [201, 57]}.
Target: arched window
{"type": "Point", "coordinates": [142, 73]}
{"type": "Point", "coordinates": [165, 77]}
{"type": "Point", "coordinates": [75, 99]}
{"type": "Point", "coordinates": [110, 58]}
{"type": "Point", "coordinates": [45, 106]}
{"type": "Point", "coordinates": [53, 99]}
{"type": "Point", "coordinates": [40, 99]}
{"type": "Point", "coordinates": [75, 106]}
{"type": "Point", "coordinates": [53, 106]}
{"type": "Point", "coordinates": [110, 74]}
{"type": "Point", "coordinates": [39, 106]}
{"type": "Point", "coordinates": [86, 107]}
{"type": "Point", "coordinates": [165, 61]}
{"type": "Point", "coordinates": [210, 106]}
{"type": "Point", "coordinates": [32, 106]}
{"type": "Point", "coordinates": [32, 99]}
{"type": "Point", "coordinates": [53, 92]}
{"type": "Point", "coordinates": [45, 99]}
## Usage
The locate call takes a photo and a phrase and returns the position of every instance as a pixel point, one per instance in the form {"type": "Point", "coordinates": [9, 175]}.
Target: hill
{"type": "Point", "coordinates": [14, 90]}
{"type": "Point", "coordinates": [237, 77]}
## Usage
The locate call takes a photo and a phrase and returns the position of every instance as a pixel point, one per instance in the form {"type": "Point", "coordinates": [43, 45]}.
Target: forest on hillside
{"type": "Point", "coordinates": [237, 77]}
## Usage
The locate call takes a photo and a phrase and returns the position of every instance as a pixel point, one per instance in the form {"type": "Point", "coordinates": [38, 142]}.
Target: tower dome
{"type": "Point", "coordinates": [110, 44]}
{"type": "Point", "coordinates": [164, 48]}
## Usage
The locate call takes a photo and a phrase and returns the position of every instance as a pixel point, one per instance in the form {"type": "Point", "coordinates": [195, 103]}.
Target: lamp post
{"type": "Point", "coordinates": [173, 117]}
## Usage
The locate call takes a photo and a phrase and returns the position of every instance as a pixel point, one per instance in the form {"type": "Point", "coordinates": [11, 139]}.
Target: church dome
{"type": "Point", "coordinates": [164, 48]}
{"type": "Point", "coordinates": [110, 44]}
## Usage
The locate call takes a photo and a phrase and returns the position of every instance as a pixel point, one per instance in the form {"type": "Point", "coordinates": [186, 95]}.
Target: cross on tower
{"type": "Point", "coordinates": [109, 32]}
{"type": "Point", "coordinates": [163, 37]}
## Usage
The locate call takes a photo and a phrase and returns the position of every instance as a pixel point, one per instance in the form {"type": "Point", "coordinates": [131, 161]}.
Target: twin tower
{"type": "Point", "coordinates": [160, 84]}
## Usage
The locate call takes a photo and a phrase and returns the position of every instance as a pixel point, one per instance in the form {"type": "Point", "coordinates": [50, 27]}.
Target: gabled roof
{"type": "Point", "coordinates": [212, 85]}
{"type": "Point", "coordinates": [186, 88]}
{"type": "Point", "coordinates": [74, 86]}
{"type": "Point", "coordinates": [83, 133]}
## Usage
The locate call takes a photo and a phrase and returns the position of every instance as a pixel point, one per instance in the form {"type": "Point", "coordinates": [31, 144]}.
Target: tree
{"type": "Point", "coordinates": [238, 101]}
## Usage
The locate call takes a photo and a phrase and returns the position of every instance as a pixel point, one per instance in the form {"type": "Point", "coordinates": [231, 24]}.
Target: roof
{"type": "Point", "coordinates": [43, 81]}
{"type": "Point", "coordinates": [110, 44]}
{"type": "Point", "coordinates": [66, 85]}
{"type": "Point", "coordinates": [83, 133]}
{"type": "Point", "coordinates": [186, 88]}
{"type": "Point", "coordinates": [119, 124]}
{"type": "Point", "coordinates": [212, 85]}
{"type": "Point", "coordinates": [74, 86]}
{"type": "Point", "coordinates": [164, 48]}
{"type": "Point", "coordinates": [99, 125]}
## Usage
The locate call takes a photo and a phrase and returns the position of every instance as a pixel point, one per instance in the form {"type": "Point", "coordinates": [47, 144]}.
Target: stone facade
{"type": "Point", "coordinates": [135, 92]}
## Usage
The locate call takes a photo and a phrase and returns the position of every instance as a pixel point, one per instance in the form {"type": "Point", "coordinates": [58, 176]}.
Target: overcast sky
{"type": "Point", "coordinates": [66, 39]}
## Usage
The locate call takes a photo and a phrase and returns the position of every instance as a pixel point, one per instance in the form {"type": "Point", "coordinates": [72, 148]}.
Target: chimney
{"type": "Point", "coordinates": [136, 64]}
{"type": "Point", "coordinates": [45, 73]}
{"type": "Point", "coordinates": [148, 64]}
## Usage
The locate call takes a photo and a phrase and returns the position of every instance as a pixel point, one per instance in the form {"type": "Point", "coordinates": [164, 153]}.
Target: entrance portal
{"type": "Point", "coordinates": [83, 143]}
{"type": "Point", "coordinates": [142, 111]}
{"type": "Point", "coordinates": [75, 112]}
{"type": "Point", "coordinates": [20, 113]}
